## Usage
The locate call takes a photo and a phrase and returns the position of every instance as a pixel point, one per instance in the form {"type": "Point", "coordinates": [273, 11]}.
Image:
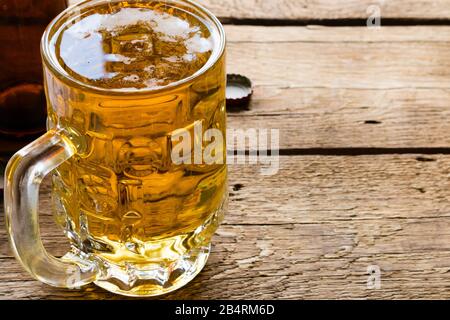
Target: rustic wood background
{"type": "Point", "coordinates": [365, 158]}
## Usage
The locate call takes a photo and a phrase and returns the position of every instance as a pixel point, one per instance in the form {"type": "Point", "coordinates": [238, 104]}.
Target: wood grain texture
{"type": "Point", "coordinates": [342, 118]}
{"type": "Point", "coordinates": [366, 62]}
{"type": "Point", "coordinates": [309, 232]}
{"type": "Point", "coordinates": [328, 9]}
{"type": "Point", "coordinates": [324, 9]}
{"type": "Point", "coordinates": [345, 87]}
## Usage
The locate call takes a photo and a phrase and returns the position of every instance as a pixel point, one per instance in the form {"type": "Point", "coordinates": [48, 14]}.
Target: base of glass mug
{"type": "Point", "coordinates": [157, 279]}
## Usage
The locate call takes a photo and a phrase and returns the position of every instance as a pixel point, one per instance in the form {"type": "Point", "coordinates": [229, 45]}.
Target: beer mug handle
{"type": "Point", "coordinates": [24, 174]}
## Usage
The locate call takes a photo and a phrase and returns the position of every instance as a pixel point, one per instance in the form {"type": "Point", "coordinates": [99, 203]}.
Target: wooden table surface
{"type": "Point", "coordinates": [364, 181]}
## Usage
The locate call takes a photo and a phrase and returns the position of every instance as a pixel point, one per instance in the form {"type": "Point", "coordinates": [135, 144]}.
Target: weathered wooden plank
{"type": "Point", "coordinates": [341, 118]}
{"type": "Point", "coordinates": [328, 9]}
{"type": "Point", "coordinates": [358, 65]}
{"type": "Point", "coordinates": [310, 232]}
{"type": "Point", "coordinates": [349, 87]}
{"type": "Point", "coordinates": [315, 33]}
{"type": "Point", "coordinates": [325, 9]}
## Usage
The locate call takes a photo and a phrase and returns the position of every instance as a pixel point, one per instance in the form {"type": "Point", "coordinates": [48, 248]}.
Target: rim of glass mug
{"type": "Point", "coordinates": [72, 12]}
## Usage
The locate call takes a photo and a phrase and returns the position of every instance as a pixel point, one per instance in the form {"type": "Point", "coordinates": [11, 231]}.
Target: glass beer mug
{"type": "Point", "coordinates": [135, 147]}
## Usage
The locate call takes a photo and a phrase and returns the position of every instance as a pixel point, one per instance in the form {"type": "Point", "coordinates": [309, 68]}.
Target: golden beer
{"type": "Point", "coordinates": [122, 78]}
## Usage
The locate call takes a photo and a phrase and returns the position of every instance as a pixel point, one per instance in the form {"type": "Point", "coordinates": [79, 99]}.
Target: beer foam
{"type": "Point", "coordinates": [134, 47]}
{"type": "Point", "coordinates": [162, 22]}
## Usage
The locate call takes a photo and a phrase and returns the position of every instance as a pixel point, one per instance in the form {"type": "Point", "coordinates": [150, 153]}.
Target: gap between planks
{"type": "Point", "coordinates": [345, 152]}
{"type": "Point", "coordinates": [389, 22]}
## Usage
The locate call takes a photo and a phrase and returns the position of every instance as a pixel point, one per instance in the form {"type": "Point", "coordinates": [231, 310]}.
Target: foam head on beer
{"type": "Point", "coordinates": [134, 47]}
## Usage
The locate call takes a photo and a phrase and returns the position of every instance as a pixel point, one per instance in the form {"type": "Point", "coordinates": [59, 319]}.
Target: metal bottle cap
{"type": "Point", "coordinates": [239, 92]}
